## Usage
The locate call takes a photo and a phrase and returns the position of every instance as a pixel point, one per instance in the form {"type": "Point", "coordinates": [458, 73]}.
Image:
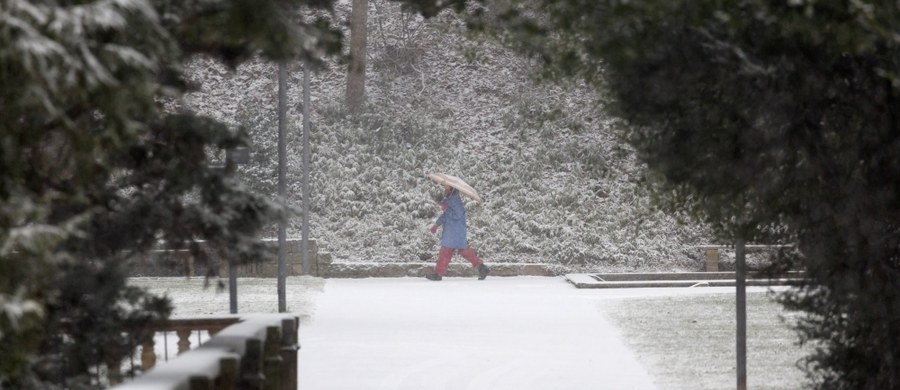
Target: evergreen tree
{"type": "Point", "coordinates": [775, 121]}
{"type": "Point", "coordinates": [97, 166]}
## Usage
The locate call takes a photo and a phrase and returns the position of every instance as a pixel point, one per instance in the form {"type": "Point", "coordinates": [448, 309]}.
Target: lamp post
{"type": "Point", "coordinates": [233, 157]}
{"type": "Point", "coordinates": [282, 162]}
{"type": "Point", "coordinates": [282, 167]}
{"type": "Point", "coordinates": [741, 312]}
{"type": "Point", "coordinates": [304, 250]}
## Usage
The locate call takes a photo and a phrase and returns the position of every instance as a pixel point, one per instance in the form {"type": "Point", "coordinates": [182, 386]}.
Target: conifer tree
{"type": "Point", "coordinates": [774, 121]}
{"type": "Point", "coordinates": [97, 166]}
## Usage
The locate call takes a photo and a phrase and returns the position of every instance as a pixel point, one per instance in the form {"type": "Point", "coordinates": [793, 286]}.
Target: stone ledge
{"type": "Point", "coordinates": [420, 269]}
{"type": "Point", "coordinates": [677, 279]}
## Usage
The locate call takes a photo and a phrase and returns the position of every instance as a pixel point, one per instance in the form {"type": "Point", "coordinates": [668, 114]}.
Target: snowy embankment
{"type": "Point", "coordinates": [559, 184]}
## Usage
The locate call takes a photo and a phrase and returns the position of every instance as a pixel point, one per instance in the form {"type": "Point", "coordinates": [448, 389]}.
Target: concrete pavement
{"type": "Point", "coordinates": [461, 333]}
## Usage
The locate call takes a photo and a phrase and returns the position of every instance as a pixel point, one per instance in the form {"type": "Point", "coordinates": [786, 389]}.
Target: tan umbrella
{"type": "Point", "coordinates": [455, 182]}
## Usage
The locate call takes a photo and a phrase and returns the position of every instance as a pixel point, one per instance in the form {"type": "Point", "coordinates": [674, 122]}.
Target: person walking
{"type": "Point", "coordinates": [453, 238]}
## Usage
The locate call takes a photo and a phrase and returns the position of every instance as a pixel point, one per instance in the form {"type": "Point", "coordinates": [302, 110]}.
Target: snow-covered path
{"type": "Point", "coordinates": [460, 333]}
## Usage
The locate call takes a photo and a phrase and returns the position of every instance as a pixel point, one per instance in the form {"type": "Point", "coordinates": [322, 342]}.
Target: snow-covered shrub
{"type": "Point", "coordinates": [558, 183]}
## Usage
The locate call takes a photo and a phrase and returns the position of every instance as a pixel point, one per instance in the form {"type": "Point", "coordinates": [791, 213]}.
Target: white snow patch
{"type": "Point", "coordinates": [204, 362]}
{"type": "Point", "coordinates": [461, 333]}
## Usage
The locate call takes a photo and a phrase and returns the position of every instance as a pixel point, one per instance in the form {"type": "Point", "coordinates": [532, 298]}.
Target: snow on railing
{"type": "Point", "coordinates": [257, 351]}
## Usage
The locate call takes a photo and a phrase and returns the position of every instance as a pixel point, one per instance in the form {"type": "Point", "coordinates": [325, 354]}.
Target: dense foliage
{"type": "Point", "coordinates": [774, 121]}
{"type": "Point", "coordinates": [559, 185]}
{"type": "Point", "coordinates": [97, 166]}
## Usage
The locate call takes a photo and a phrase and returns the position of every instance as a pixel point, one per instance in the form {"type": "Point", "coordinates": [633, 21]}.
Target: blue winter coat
{"type": "Point", "coordinates": [454, 222]}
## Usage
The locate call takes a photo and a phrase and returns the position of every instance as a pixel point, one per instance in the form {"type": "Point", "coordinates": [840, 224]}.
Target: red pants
{"type": "Point", "coordinates": [446, 254]}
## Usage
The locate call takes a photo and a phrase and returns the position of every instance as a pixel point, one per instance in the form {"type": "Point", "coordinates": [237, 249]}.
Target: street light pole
{"type": "Point", "coordinates": [233, 157]}
{"type": "Point", "coordinates": [741, 309]}
{"type": "Point", "coordinates": [282, 152]}
{"type": "Point", "coordinates": [304, 250]}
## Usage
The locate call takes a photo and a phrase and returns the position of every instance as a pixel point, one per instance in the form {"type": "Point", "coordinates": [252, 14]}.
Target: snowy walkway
{"type": "Point", "coordinates": [463, 334]}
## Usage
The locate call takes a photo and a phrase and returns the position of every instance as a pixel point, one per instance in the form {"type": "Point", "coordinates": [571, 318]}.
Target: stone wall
{"type": "Point", "coordinates": [179, 263]}
{"type": "Point", "coordinates": [330, 269]}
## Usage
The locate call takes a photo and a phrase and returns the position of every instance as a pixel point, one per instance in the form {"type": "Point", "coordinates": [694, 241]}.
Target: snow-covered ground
{"type": "Point", "coordinates": [461, 333]}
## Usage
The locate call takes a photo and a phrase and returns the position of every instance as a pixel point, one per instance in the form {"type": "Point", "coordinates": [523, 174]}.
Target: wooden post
{"type": "Point", "coordinates": [184, 340]}
{"type": "Point", "coordinates": [251, 366]}
{"type": "Point", "coordinates": [200, 383]}
{"type": "Point", "coordinates": [712, 260]}
{"type": "Point", "coordinates": [148, 355]}
{"type": "Point", "coordinates": [289, 349]}
{"type": "Point", "coordinates": [228, 374]}
{"type": "Point", "coordinates": [272, 364]}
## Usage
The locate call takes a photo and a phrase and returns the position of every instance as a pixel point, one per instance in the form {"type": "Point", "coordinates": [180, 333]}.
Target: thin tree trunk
{"type": "Point", "coordinates": [356, 75]}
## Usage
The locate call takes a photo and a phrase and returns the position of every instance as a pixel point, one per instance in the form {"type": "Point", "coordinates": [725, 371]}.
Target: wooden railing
{"type": "Point", "coordinates": [257, 351]}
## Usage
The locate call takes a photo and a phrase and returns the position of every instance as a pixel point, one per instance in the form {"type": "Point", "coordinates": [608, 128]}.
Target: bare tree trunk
{"type": "Point", "coordinates": [356, 76]}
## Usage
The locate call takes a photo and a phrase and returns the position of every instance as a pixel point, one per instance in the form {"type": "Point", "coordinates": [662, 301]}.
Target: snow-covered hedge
{"type": "Point", "coordinates": [559, 185]}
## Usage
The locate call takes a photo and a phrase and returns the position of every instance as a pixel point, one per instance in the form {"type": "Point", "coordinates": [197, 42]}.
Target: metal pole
{"type": "Point", "coordinates": [232, 287]}
{"type": "Point", "coordinates": [232, 268]}
{"type": "Point", "coordinates": [282, 152]}
{"type": "Point", "coordinates": [741, 302]}
{"type": "Point", "coordinates": [304, 248]}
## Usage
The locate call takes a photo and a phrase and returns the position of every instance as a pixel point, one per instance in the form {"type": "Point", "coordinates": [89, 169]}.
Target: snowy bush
{"type": "Point", "coordinates": [559, 185]}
